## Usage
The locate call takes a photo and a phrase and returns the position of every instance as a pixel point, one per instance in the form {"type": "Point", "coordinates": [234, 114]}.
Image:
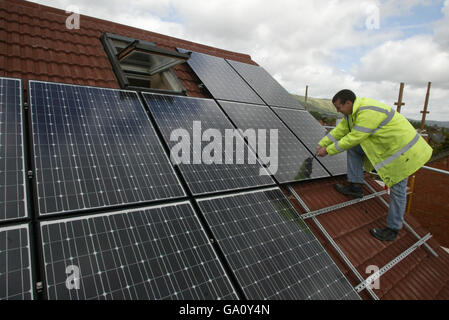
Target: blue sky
{"type": "Point", "coordinates": [325, 44]}
{"type": "Point", "coordinates": [418, 21]}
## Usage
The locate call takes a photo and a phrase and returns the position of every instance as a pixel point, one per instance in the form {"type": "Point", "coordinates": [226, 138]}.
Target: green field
{"type": "Point", "coordinates": [323, 106]}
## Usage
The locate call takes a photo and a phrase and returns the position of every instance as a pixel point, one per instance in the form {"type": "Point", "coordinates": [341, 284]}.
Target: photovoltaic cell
{"type": "Point", "coordinates": [94, 148]}
{"type": "Point", "coordinates": [270, 249]}
{"type": "Point", "coordinates": [222, 81]}
{"type": "Point", "coordinates": [12, 172]}
{"type": "Point", "coordinates": [265, 85]}
{"type": "Point", "coordinates": [310, 132]}
{"type": "Point", "coordinates": [158, 252]}
{"type": "Point", "coordinates": [15, 264]}
{"type": "Point", "coordinates": [295, 162]}
{"type": "Point", "coordinates": [192, 118]}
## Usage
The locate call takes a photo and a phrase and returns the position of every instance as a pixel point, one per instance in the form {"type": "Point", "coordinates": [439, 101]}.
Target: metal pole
{"type": "Point", "coordinates": [305, 98]}
{"type": "Point", "coordinates": [341, 205]}
{"type": "Point", "coordinates": [426, 103]}
{"type": "Point", "coordinates": [332, 242]}
{"type": "Point", "coordinates": [399, 104]}
{"type": "Point", "coordinates": [410, 196]}
{"type": "Point", "coordinates": [435, 169]}
{"type": "Point", "coordinates": [307, 90]}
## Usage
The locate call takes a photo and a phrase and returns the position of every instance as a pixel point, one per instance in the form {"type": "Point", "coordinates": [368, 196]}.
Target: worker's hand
{"type": "Point", "coordinates": [321, 151]}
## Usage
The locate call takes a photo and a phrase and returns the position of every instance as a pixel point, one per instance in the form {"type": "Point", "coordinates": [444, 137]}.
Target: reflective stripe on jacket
{"type": "Point", "coordinates": [391, 144]}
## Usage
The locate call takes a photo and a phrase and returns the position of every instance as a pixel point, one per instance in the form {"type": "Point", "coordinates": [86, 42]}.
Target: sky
{"type": "Point", "coordinates": [368, 46]}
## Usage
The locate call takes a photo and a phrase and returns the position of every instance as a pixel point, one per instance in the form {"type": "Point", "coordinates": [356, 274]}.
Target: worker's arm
{"type": "Point", "coordinates": [367, 121]}
{"type": "Point", "coordinates": [335, 134]}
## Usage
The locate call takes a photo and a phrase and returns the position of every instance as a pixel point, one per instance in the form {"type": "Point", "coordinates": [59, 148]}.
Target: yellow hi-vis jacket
{"type": "Point", "coordinates": [391, 144]}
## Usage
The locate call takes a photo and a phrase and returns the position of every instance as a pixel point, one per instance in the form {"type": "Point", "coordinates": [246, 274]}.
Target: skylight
{"type": "Point", "coordinates": [141, 65]}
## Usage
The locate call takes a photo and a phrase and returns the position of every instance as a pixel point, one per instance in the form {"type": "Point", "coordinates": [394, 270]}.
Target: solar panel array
{"type": "Point", "coordinates": [221, 79]}
{"type": "Point", "coordinates": [229, 168]}
{"type": "Point", "coordinates": [294, 161]}
{"type": "Point", "coordinates": [15, 263]}
{"type": "Point", "coordinates": [265, 85]}
{"type": "Point", "coordinates": [12, 173]}
{"type": "Point", "coordinates": [310, 132]}
{"type": "Point", "coordinates": [95, 148]}
{"type": "Point", "coordinates": [149, 253]}
{"type": "Point", "coordinates": [271, 251]}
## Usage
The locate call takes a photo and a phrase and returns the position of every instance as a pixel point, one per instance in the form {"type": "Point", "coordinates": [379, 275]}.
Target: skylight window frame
{"type": "Point", "coordinates": [110, 42]}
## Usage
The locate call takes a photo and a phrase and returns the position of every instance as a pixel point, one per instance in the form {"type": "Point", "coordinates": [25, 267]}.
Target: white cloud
{"type": "Point", "coordinates": [402, 7]}
{"type": "Point", "coordinates": [299, 42]}
{"type": "Point", "coordinates": [442, 28]}
{"type": "Point", "coordinates": [415, 60]}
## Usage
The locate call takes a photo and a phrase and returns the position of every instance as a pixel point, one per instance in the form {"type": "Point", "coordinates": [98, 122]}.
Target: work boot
{"type": "Point", "coordinates": [384, 234]}
{"type": "Point", "coordinates": [352, 189]}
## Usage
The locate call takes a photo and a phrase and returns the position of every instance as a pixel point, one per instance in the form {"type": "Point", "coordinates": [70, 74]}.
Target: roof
{"type": "Point", "coordinates": [34, 46]}
{"type": "Point", "coordinates": [419, 276]}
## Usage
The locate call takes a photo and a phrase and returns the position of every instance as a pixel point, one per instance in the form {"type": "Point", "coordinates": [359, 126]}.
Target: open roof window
{"type": "Point", "coordinates": [141, 65]}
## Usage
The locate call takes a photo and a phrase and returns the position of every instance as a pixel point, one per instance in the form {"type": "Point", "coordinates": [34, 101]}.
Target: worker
{"type": "Point", "coordinates": [376, 137]}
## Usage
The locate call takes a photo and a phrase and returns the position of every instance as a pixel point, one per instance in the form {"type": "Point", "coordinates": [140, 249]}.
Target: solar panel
{"type": "Point", "coordinates": [221, 79]}
{"type": "Point", "coordinates": [94, 148]}
{"type": "Point", "coordinates": [15, 264]}
{"type": "Point", "coordinates": [295, 162]}
{"type": "Point", "coordinates": [158, 252]}
{"type": "Point", "coordinates": [12, 163]}
{"type": "Point", "coordinates": [270, 249]}
{"type": "Point", "coordinates": [310, 132]}
{"type": "Point", "coordinates": [265, 85]}
{"type": "Point", "coordinates": [230, 169]}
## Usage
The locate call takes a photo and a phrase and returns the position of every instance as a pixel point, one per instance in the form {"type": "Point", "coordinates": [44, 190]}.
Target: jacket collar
{"type": "Point", "coordinates": [356, 106]}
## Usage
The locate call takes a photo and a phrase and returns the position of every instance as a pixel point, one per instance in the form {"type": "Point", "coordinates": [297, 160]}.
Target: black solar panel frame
{"type": "Point", "coordinates": [242, 89]}
{"type": "Point", "coordinates": [125, 212]}
{"type": "Point", "coordinates": [28, 252]}
{"type": "Point", "coordinates": [75, 212]}
{"type": "Point", "coordinates": [177, 167]}
{"type": "Point", "coordinates": [296, 218]}
{"type": "Point", "coordinates": [288, 101]}
{"type": "Point", "coordinates": [328, 161]}
{"type": "Point", "coordinates": [23, 150]}
{"type": "Point", "coordinates": [322, 168]}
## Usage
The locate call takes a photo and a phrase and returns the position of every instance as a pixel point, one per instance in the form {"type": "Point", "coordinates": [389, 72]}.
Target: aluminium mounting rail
{"type": "Point", "coordinates": [376, 275]}
{"type": "Point", "coordinates": [409, 228]}
{"type": "Point", "coordinates": [341, 205]}
{"type": "Point", "coordinates": [332, 242]}
{"type": "Point", "coordinates": [435, 169]}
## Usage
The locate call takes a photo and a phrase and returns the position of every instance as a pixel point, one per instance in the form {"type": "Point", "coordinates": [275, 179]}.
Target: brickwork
{"type": "Point", "coordinates": [430, 203]}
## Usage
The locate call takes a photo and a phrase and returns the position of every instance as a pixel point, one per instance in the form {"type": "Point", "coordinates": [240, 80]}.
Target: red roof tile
{"type": "Point", "coordinates": [419, 276]}
{"type": "Point", "coordinates": [35, 44]}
